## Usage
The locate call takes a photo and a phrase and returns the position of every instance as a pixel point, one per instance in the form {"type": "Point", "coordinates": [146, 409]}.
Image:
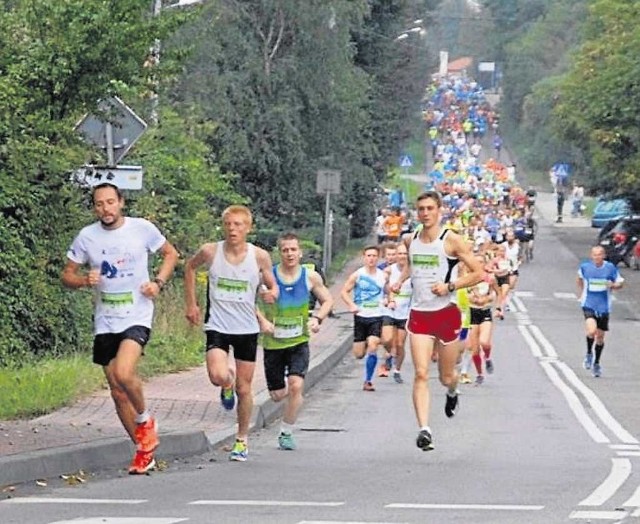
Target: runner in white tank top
{"type": "Point", "coordinates": [235, 270]}
{"type": "Point", "coordinates": [434, 321]}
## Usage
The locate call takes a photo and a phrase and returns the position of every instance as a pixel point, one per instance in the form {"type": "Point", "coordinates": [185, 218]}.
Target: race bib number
{"type": "Point", "coordinates": [597, 285]}
{"type": "Point", "coordinates": [117, 305]}
{"type": "Point", "coordinates": [232, 290]}
{"type": "Point", "coordinates": [288, 327]}
{"type": "Point", "coordinates": [425, 268]}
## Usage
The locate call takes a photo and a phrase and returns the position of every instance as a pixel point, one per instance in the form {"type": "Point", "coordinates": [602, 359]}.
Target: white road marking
{"type": "Point", "coordinates": [542, 340]}
{"type": "Point", "coordinates": [575, 405]}
{"type": "Point", "coordinates": [636, 513]}
{"type": "Point", "coordinates": [264, 503]}
{"type": "Point", "coordinates": [527, 294]}
{"type": "Point", "coordinates": [620, 471]}
{"type": "Point", "coordinates": [533, 346]}
{"type": "Point", "coordinates": [343, 522]}
{"type": "Point", "coordinates": [52, 500]}
{"type": "Point", "coordinates": [121, 520]}
{"type": "Point", "coordinates": [598, 407]}
{"type": "Point", "coordinates": [628, 453]}
{"type": "Point", "coordinates": [565, 296]}
{"type": "Point", "coordinates": [488, 507]}
{"type": "Point", "coordinates": [521, 307]}
{"type": "Point", "coordinates": [598, 515]}
{"type": "Point", "coordinates": [629, 447]}
{"type": "Point", "coordinates": [634, 500]}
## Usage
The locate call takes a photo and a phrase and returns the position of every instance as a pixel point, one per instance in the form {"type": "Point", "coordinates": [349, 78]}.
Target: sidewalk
{"type": "Point", "coordinates": [88, 434]}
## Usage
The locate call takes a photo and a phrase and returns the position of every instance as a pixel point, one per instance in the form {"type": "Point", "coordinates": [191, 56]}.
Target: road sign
{"type": "Point", "coordinates": [124, 177]}
{"type": "Point", "coordinates": [115, 129]}
{"type": "Point", "coordinates": [406, 161]}
{"type": "Point", "coordinates": [328, 181]}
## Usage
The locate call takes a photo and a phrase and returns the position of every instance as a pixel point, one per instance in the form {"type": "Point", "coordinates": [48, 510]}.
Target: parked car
{"type": "Point", "coordinates": [607, 209]}
{"type": "Point", "coordinates": [620, 239]}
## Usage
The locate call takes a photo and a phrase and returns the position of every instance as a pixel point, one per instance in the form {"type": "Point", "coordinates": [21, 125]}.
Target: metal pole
{"type": "Point", "coordinates": [108, 131]}
{"type": "Point", "coordinates": [325, 250]}
{"type": "Point", "coordinates": [157, 7]}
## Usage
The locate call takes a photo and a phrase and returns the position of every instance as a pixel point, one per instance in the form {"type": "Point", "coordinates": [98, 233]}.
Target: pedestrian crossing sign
{"type": "Point", "coordinates": [406, 161]}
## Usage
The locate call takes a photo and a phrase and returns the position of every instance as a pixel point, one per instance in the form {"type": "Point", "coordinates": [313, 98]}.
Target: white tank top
{"type": "Point", "coordinates": [403, 297]}
{"type": "Point", "coordinates": [512, 253]}
{"type": "Point", "coordinates": [430, 264]}
{"type": "Point", "coordinates": [231, 299]}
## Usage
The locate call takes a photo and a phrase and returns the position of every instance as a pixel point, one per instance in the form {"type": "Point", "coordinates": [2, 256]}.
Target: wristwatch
{"type": "Point", "coordinates": [451, 287]}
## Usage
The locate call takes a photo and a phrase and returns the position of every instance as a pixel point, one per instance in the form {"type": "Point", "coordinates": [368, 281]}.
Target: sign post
{"type": "Point", "coordinates": [406, 162]}
{"type": "Point", "coordinates": [327, 183]}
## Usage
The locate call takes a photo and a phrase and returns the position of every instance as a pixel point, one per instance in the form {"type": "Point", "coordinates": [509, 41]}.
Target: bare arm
{"type": "Point", "coordinates": [73, 277]}
{"type": "Point", "coordinates": [346, 293]}
{"type": "Point", "coordinates": [204, 256]}
{"type": "Point", "coordinates": [321, 292]}
{"type": "Point", "coordinates": [169, 260]}
{"type": "Point", "coordinates": [266, 275]}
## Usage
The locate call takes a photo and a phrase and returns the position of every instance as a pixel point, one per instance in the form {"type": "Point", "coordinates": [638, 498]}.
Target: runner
{"type": "Point", "coordinates": [394, 333]}
{"type": "Point", "coordinates": [597, 279]}
{"type": "Point", "coordinates": [286, 327]}
{"type": "Point", "coordinates": [500, 267]}
{"type": "Point", "coordinates": [363, 295]}
{"type": "Point", "coordinates": [116, 250]}
{"type": "Point", "coordinates": [235, 269]}
{"type": "Point", "coordinates": [434, 320]}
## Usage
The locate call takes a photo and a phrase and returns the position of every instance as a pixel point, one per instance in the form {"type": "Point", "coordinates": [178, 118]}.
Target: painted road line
{"type": "Point", "coordinates": [598, 515]}
{"type": "Point", "coordinates": [598, 407]}
{"type": "Point", "coordinates": [525, 294]}
{"type": "Point", "coordinates": [487, 507]}
{"type": "Point", "coordinates": [575, 405]}
{"type": "Point", "coordinates": [636, 513]}
{"type": "Point", "coordinates": [121, 520]}
{"type": "Point", "coordinates": [620, 471]}
{"type": "Point", "coordinates": [264, 503]}
{"type": "Point", "coordinates": [627, 447]}
{"type": "Point", "coordinates": [542, 340]}
{"type": "Point", "coordinates": [565, 296]}
{"type": "Point", "coordinates": [528, 338]}
{"type": "Point", "coordinates": [344, 522]}
{"type": "Point", "coordinates": [628, 453]}
{"type": "Point", "coordinates": [52, 500]}
{"type": "Point", "coordinates": [634, 500]}
{"type": "Point", "coordinates": [521, 307]}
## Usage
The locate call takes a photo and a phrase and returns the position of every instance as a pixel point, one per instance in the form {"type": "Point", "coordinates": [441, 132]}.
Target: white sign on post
{"type": "Point", "coordinates": [328, 181]}
{"type": "Point", "coordinates": [124, 177]}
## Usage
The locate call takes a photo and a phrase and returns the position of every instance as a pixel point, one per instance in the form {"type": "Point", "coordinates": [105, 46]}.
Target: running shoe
{"type": "Point", "coordinates": [286, 442]}
{"type": "Point", "coordinates": [146, 435]}
{"type": "Point", "coordinates": [465, 378]}
{"type": "Point", "coordinates": [368, 386]}
{"type": "Point", "coordinates": [451, 405]}
{"type": "Point", "coordinates": [588, 361]}
{"type": "Point", "coordinates": [424, 440]}
{"type": "Point", "coordinates": [597, 370]}
{"type": "Point", "coordinates": [397, 377]}
{"type": "Point", "coordinates": [239, 452]}
{"type": "Point", "coordinates": [479, 380]}
{"type": "Point", "coordinates": [142, 463]}
{"type": "Point", "coordinates": [383, 371]}
{"type": "Point", "coordinates": [489, 366]}
{"type": "Point", "coordinates": [228, 397]}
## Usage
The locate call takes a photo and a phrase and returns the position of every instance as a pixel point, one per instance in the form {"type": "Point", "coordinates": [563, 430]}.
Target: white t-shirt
{"type": "Point", "coordinates": [122, 256]}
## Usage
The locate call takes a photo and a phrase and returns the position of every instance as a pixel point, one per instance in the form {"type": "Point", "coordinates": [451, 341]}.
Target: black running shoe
{"type": "Point", "coordinates": [424, 441]}
{"type": "Point", "coordinates": [451, 405]}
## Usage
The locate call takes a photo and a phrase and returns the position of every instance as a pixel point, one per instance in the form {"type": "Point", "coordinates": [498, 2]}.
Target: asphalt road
{"type": "Point", "coordinates": [541, 441]}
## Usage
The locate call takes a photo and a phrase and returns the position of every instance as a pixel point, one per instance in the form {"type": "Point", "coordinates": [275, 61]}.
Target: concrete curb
{"type": "Point", "coordinates": [110, 452]}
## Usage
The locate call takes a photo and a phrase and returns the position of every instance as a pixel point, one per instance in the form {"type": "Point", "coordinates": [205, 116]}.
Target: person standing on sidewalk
{"type": "Point", "coordinates": [597, 278]}
{"type": "Point", "coordinates": [116, 250]}
{"type": "Point", "coordinates": [235, 269]}
{"type": "Point", "coordinates": [286, 327]}
{"type": "Point", "coordinates": [434, 319]}
{"type": "Point", "coordinates": [363, 293]}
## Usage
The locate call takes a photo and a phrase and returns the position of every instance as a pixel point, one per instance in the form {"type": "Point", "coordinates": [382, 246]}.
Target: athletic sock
{"type": "Point", "coordinates": [487, 351]}
{"type": "Point", "coordinates": [142, 417]}
{"type": "Point", "coordinates": [477, 362]}
{"type": "Point", "coordinates": [285, 428]}
{"type": "Point", "coordinates": [466, 362]}
{"type": "Point", "coordinates": [370, 366]}
{"type": "Point", "coordinates": [598, 348]}
{"type": "Point", "coordinates": [589, 344]}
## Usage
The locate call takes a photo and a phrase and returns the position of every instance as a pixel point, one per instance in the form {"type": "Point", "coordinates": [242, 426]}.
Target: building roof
{"type": "Point", "coordinates": [459, 64]}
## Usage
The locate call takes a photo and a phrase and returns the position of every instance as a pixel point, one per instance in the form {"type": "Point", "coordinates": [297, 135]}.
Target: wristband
{"type": "Point", "coordinates": [317, 318]}
{"type": "Point", "coordinates": [159, 282]}
{"type": "Point", "coordinates": [451, 287]}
